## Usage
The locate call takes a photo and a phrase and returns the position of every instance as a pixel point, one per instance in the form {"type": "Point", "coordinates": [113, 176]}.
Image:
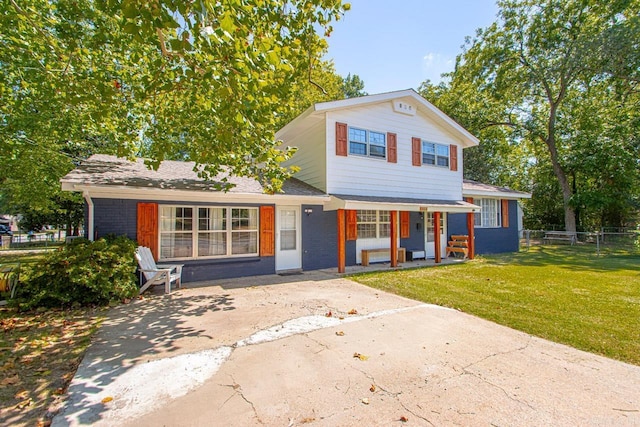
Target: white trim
{"type": "Point", "coordinates": [195, 232]}
{"type": "Point", "coordinates": [160, 194]}
{"type": "Point", "coordinates": [336, 203]}
{"type": "Point", "coordinates": [495, 194]}
{"type": "Point", "coordinates": [90, 215]}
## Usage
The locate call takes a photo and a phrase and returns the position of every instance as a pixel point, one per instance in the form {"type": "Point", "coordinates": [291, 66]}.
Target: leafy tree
{"type": "Point", "coordinates": [200, 80]}
{"type": "Point", "coordinates": [537, 59]}
{"type": "Point", "coordinates": [353, 86]}
{"type": "Point", "coordinates": [322, 84]}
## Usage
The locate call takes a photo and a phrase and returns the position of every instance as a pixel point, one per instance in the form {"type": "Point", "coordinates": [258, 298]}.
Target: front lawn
{"type": "Point", "coordinates": [40, 352]}
{"type": "Point", "coordinates": [559, 293]}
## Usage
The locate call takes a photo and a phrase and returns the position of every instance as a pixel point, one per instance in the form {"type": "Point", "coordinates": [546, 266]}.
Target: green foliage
{"type": "Point", "coordinates": [200, 80]}
{"type": "Point", "coordinates": [353, 86]}
{"type": "Point", "coordinates": [553, 86]}
{"type": "Point", "coordinates": [81, 273]}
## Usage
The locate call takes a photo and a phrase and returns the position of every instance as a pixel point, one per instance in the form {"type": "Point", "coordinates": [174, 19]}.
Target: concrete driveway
{"type": "Point", "coordinates": [285, 351]}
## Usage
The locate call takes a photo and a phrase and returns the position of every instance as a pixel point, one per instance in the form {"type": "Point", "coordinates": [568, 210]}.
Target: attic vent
{"type": "Point", "coordinates": [404, 108]}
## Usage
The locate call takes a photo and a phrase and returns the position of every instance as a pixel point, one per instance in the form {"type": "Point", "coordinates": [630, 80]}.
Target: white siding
{"type": "Point", "coordinates": [311, 155]}
{"type": "Point", "coordinates": [357, 175]}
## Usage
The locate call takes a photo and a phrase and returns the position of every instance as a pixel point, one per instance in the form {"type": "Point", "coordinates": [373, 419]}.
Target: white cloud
{"type": "Point", "coordinates": [434, 64]}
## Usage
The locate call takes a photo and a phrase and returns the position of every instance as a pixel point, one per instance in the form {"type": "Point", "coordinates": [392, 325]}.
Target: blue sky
{"type": "Point", "coordinates": [398, 44]}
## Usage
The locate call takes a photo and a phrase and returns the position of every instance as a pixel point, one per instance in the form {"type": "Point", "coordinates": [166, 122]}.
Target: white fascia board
{"type": "Point", "coordinates": [496, 194]}
{"type": "Point", "coordinates": [294, 123]}
{"type": "Point", "coordinates": [337, 203]}
{"type": "Point", "coordinates": [129, 193]}
{"type": "Point", "coordinates": [364, 100]}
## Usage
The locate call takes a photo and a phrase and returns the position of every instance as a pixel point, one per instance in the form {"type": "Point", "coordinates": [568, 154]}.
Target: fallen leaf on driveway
{"type": "Point", "coordinates": [329, 314]}
{"type": "Point", "coordinates": [365, 401]}
{"type": "Point", "coordinates": [404, 419]}
{"type": "Point", "coordinates": [24, 403]}
{"type": "Point", "coordinates": [10, 380]}
{"type": "Point", "coordinates": [353, 311]}
{"type": "Point", "coordinates": [21, 395]}
{"type": "Point", "coordinates": [372, 388]}
{"type": "Point", "coordinates": [360, 356]}
{"type": "Point", "coordinates": [340, 333]}
{"type": "Point", "coordinates": [107, 399]}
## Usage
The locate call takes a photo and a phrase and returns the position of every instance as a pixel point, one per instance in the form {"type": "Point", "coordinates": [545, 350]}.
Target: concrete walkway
{"type": "Point", "coordinates": [314, 349]}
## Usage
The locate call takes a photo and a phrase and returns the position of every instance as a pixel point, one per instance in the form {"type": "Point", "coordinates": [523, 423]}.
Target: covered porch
{"type": "Point", "coordinates": [399, 223]}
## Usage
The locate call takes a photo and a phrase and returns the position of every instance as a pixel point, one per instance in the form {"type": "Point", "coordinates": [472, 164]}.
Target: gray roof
{"type": "Point", "coordinates": [106, 170]}
{"type": "Point", "coordinates": [402, 200]}
{"type": "Point", "coordinates": [474, 186]}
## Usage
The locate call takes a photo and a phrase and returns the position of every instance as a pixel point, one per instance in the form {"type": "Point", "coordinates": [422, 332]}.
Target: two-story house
{"type": "Point", "coordinates": [380, 175]}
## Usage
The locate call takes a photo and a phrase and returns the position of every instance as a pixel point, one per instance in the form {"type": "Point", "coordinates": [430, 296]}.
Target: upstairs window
{"type": "Point", "coordinates": [435, 154]}
{"type": "Point", "coordinates": [364, 142]}
{"type": "Point", "coordinates": [490, 215]}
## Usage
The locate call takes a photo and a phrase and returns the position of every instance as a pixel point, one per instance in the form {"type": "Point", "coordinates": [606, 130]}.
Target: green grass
{"type": "Point", "coordinates": [563, 294]}
{"type": "Point", "coordinates": [12, 259]}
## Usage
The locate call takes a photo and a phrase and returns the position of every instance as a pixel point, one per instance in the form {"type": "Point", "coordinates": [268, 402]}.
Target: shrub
{"type": "Point", "coordinates": [81, 273]}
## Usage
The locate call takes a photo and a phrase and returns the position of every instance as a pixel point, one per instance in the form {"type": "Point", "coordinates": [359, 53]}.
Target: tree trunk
{"type": "Point", "coordinates": [569, 213]}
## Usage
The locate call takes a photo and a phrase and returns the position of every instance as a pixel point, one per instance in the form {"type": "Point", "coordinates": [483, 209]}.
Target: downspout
{"type": "Point", "coordinates": [90, 222]}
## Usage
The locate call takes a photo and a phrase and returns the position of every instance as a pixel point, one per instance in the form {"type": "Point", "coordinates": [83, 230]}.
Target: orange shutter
{"type": "Point", "coordinates": [392, 148]}
{"type": "Point", "coordinates": [453, 154]}
{"type": "Point", "coordinates": [147, 227]}
{"type": "Point", "coordinates": [416, 151]}
{"type": "Point", "coordinates": [341, 139]}
{"type": "Point", "coordinates": [352, 225]}
{"type": "Point", "coordinates": [505, 213]}
{"type": "Point", "coordinates": [405, 225]}
{"type": "Point", "coordinates": [267, 231]}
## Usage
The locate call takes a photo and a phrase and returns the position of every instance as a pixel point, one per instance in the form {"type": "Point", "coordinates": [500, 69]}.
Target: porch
{"type": "Point", "coordinates": [391, 224]}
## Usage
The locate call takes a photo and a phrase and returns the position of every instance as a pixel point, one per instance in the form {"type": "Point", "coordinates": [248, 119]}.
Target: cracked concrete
{"type": "Point", "coordinates": [280, 362]}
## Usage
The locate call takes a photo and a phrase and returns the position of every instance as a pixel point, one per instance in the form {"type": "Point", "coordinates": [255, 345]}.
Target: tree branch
{"type": "Point", "coordinates": [310, 80]}
{"type": "Point", "coordinates": [492, 124]}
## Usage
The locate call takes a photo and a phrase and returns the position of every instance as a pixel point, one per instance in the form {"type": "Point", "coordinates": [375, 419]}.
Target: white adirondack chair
{"type": "Point", "coordinates": [156, 274]}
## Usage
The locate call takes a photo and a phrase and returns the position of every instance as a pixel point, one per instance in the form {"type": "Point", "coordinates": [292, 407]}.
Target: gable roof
{"type": "Point", "coordinates": [105, 171]}
{"type": "Point", "coordinates": [473, 188]}
{"type": "Point", "coordinates": [423, 105]}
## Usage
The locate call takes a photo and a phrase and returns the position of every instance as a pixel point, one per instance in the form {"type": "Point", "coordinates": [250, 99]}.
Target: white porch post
{"type": "Point", "coordinates": [90, 221]}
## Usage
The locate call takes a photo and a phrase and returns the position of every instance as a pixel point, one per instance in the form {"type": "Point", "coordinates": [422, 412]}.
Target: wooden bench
{"type": "Point", "coordinates": [458, 244]}
{"type": "Point", "coordinates": [560, 237]}
{"type": "Point", "coordinates": [402, 254]}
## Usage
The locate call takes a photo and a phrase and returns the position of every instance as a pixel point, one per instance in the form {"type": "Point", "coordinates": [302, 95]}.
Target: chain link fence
{"type": "Point", "coordinates": [599, 242]}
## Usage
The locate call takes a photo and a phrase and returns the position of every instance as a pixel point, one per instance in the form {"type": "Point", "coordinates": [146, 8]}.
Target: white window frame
{"type": "Point", "coordinates": [381, 218]}
{"type": "Point", "coordinates": [439, 158]}
{"type": "Point", "coordinates": [228, 230]}
{"type": "Point", "coordinates": [367, 142]}
{"type": "Point", "coordinates": [490, 216]}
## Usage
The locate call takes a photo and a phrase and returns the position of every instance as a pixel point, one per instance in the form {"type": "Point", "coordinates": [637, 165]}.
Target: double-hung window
{"type": "Point", "coordinates": [364, 142]}
{"type": "Point", "coordinates": [373, 224]}
{"type": "Point", "coordinates": [490, 215]}
{"type": "Point", "coordinates": [435, 154]}
{"type": "Point", "coordinates": [207, 231]}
